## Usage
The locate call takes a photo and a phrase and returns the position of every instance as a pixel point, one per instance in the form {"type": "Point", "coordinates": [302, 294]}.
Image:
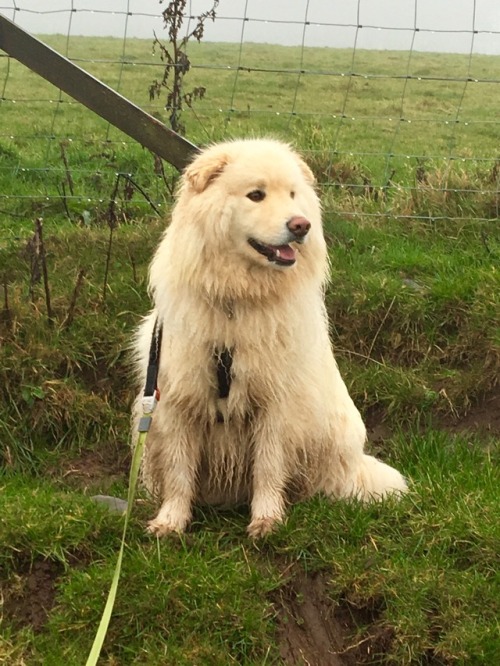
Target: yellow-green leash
{"type": "Point", "coordinates": [149, 400]}
{"type": "Point", "coordinates": [108, 609]}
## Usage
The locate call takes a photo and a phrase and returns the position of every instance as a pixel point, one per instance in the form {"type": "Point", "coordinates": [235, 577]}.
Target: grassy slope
{"type": "Point", "coordinates": [414, 309]}
{"type": "Point", "coordinates": [414, 314]}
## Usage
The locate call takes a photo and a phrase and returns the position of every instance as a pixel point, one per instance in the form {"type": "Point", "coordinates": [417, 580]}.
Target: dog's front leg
{"type": "Point", "coordinates": [269, 479]}
{"type": "Point", "coordinates": [174, 455]}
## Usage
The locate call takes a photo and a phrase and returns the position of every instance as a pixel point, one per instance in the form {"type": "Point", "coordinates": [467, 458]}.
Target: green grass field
{"type": "Point", "coordinates": [414, 305]}
{"type": "Point", "coordinates": [376, 130]}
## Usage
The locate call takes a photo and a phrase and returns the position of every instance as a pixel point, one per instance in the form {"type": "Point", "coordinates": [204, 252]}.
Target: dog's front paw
{"type": "Point", "coordinates": [160, 528]}
{"type": "Point", "coordinates": [168, 522]}
{"type": "Point", "coordinates": [263, 525]}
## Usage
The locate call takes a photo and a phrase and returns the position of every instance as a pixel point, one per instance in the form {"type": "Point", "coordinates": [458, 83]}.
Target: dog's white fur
{"type": "Point", "coordinates": [290, 427]}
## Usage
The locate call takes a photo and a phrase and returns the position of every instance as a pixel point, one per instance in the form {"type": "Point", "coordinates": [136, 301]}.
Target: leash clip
{"type": "Point", "coordinates": [149, 402]}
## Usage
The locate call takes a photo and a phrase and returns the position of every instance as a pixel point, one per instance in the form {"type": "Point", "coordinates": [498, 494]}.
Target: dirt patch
{"type": "Point", "coordinates": [315, 631]}
{"type": "Point", "coordinates": [28, 590]}
{"type": "Point", "coordinates": [29, 594]}
{"type": "Point", "coordinates": [94, 470]}
{"type": "Point", "coordinates": [377, 432]}
{"type": "Point", "coordinates": [482, 419]}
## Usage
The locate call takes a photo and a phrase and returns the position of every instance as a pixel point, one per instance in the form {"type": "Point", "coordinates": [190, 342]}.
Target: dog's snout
{"type": "Point", "coordinates": [299, 226]}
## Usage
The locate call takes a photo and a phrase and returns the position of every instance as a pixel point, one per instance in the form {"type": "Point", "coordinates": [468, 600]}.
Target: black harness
{"type": "Point", "coordinates": [223, 361]}
{"type": "Point", "coordinates": [151, 387]}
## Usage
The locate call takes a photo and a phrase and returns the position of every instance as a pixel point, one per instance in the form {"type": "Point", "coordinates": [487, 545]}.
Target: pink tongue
{"type": "Point", "coordinates": [286, 252]}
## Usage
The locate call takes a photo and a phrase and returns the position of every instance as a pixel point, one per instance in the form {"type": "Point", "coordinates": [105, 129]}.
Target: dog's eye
{"type": "Point", "coordinates": [292, 194]}
{"type": "Point", "coordinates": [256, 195]}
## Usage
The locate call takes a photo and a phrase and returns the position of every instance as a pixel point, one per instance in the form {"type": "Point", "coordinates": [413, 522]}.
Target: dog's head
{"type": "Point", "coordinates": [259, 197]}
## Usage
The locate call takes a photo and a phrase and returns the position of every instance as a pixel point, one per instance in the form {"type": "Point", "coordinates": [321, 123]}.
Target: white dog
{"type": "Point", "coordinates": [253, 408]}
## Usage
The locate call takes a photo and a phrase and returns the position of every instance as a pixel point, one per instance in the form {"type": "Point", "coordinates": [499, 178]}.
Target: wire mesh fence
{"type": "Point", "coordinates": [394, 104]}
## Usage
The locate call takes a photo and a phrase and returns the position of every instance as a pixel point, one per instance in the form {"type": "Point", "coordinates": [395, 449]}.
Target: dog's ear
{"type": "Point", "coordinates": [306, 171]}
{"type": "Point", "coordinates": [205, 168]}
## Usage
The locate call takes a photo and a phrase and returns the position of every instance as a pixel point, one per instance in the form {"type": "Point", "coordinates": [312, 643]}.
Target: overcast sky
{"type": "Point", "coordinates": [443, 25]}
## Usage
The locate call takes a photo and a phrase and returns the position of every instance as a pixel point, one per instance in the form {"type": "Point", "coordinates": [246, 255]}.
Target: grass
{"type": "Point", "coordinates": [375, 131]}
{"type": "Point", "coordinates": [427, 565]}
{"type": "Point", "coordinates": [414, 307]}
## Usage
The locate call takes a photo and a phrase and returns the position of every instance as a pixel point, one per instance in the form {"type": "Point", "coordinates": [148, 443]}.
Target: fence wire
{"type": "Point", "coordinates": [403, 132]}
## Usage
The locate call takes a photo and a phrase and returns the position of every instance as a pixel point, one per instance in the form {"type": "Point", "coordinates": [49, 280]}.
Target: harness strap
{"type": "Point", "coordinates": [154, 361]}
{"type": "Point", "coordinates": [151, 393]}
{"type": "Point", "coordinates": [224, 360]}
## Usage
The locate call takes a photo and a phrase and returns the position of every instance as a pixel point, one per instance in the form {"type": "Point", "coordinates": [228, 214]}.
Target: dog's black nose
{"type": "Point", "coordinates": [299, 226]}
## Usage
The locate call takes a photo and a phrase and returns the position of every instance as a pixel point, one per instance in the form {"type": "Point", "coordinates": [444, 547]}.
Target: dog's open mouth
{"type": "Point", "coordinates": [278, 254]}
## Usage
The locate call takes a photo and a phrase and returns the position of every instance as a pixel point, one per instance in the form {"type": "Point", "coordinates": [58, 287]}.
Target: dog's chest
{"type": "Point", "coordinates": [253, 353]}
{"type": "Point", "coordinates": [233, 358]}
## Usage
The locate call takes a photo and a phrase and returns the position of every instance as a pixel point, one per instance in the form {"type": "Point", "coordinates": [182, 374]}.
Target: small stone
{"type": "Point", "coordinates": [114, 504]}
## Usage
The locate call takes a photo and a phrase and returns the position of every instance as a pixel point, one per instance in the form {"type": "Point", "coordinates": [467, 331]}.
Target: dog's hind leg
{"type": "Point", "coordinates": [170, 468]}
{"type": "Point", "coordinates": [363, 477]}
{"type": "Point", "coordinates": [368, 480]}
{"type": "Point", "coordinates": [373, 480]}
{"type": "Point", "coordinates": [350, 472]}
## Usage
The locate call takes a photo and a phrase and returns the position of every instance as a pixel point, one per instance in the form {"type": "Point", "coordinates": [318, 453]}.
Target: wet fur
{"type": "Point", "coordinates": [290, 428]}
